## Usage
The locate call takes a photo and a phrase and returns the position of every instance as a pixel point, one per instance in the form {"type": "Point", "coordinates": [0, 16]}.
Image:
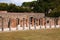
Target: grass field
{"type": "Point", "coordinates": [48, 34]}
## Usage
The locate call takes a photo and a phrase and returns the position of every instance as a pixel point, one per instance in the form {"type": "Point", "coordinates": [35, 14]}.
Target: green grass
{"type": "Point", "coordinates": [48, 34]}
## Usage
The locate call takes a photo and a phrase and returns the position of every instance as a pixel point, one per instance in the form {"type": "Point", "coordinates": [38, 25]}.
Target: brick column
{"type": "Point", "coordinates": [59, 21]}
{"type": "Point", "coordinates": [1, 24]}
{"type": "Point", "coordinates": [26, 27]}
{"type": "Point", "coordinates": [13, 24]}
{"type": "Point", "coordinates": [26, 22]}
{"type": "Point", "coordinates": [32, 21]}
{"type": "Point", "coordinates": [58, 26]}
{"type": "Point", "coordinates": [17, 23]}
{"type": "Point", "coordinates": [21, 23]}
{"type": "Point", "coordinates": [5, 23]}
{"type": "Point", "coordinates": [52, 23]}
{"type": "Point", "coordinates": [37, 24]}
{"type": "Point", "coordinates": [9, 22]}
{"type": "Point", "coordinates": [39, 21]}
{"type": "Point", "coordinates": [42, 23]}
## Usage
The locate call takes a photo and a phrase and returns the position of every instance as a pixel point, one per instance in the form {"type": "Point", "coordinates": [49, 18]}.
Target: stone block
{"type": "Point", "coordinates": [13, 29]}
{"type": "Point", "coordinates": [57, 26]}
{"type": "Point", "coordinates": [32, 27]}
{"type": "Point", "coordinates": [47, 26]}
{"type": "Point", "coordinates": [6, 29]}
{"type": "Point", "coordinates": [38, 27]}
{"type": "Point", "coordinates": [42, 27]}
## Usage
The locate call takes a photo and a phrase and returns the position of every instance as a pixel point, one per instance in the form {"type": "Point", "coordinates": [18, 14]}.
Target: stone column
{"type": "Point", "coordinates": [26, 25]}
{"type": "Point", "coordinates": [58, 26]}
{"type": "Point", "coordinates": [52, 23]}
{"type": "Point", "coordinates": [9, 22]}
{"type": "Point", "coordinates": [1, 24]}
{"type": "Point", "coordinates": [13, 24]}
{"type": "Point", "coordinates": [21, 24]}
{"type": "Point", "coordinates": [5, 24]}
{"type": "Point", "coordinates": [43, 23]}
{"type": "Point", "coordinates": [26, 22]}
{"type": "Point", "coordinates": [32, 27]}
{"type": "Point", "coordinates": [17, 23]}
{"type": "Point", "coordinates": [32, 22]}
{"type": "Point", "coordinates": [40, 22]}
{"type": "Point", "coordinates": [37, 26]}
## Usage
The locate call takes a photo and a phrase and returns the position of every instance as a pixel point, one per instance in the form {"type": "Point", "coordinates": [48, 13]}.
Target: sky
{"type": "Point", "coordinates": [17, 2]}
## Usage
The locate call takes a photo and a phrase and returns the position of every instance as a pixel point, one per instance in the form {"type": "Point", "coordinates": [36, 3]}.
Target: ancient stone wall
{"type": "Point", "coordinates": [26, 21]}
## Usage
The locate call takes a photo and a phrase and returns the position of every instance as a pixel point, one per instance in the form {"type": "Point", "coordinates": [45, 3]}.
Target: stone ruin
{"type": "Point", "coordinates": [10, 21]}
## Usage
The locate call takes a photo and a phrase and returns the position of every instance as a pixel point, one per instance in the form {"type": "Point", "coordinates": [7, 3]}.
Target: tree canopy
{"type": "Point", "coordinates": [39, 6]}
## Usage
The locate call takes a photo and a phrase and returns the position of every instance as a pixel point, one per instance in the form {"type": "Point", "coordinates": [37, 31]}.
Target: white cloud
{"type": "Point", "coordinates": [21, 1]}
{"type": "Point", "coordinates": [17, 2]}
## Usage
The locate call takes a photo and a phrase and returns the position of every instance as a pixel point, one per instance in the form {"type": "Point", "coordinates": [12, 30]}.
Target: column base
{"type": "Point", "coordinates": [0, 29]}
{"type": "Point", "coordinates": [26, 28]}
{"type": "Point", "coordinates": [47, 26]}
{"type": "Point", "coordinates": [52, 26]}
{"type": "Point", "coordinates": [6, 29]}
{"type": "Point", "coordinates": [42, 27]}
{"type": "Point", "coordinates": [20, 28]}
{"type": "Point", "coordinates": [32, 27]}
{"type": "Point", "coordinates": [57, 26]}
{"type": "Point", "coordinates": [13, 29]}
{"type": "Point", "coordinates": [38, 27]}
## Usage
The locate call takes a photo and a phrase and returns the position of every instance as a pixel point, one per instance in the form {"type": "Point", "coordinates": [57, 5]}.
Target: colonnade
{"type": "Point", "coordinates": [12, 24]}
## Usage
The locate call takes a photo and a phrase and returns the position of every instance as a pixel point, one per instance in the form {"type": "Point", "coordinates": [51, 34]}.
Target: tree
{"type": "Point", "coordinates": [3, 6]}
{"type": "Point", "coordinates": [12, 7]}
{"type": "Point", "coordinates": [55, 13]}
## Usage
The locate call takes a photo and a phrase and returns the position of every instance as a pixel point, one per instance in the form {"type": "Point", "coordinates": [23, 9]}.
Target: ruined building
{"type": "Point", "coordinates": [10, 21]}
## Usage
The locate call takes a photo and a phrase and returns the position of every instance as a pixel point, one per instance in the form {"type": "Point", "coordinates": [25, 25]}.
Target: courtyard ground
{"type": "Point", "coordinates": [42, 34]}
